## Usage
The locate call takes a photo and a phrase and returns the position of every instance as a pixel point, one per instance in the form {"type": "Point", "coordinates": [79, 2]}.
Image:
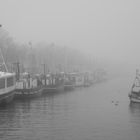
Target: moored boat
{"type": "Point", "coordinates": [28, 87]}
{"type": "Point", "coordinates": [53, 83]}
{"type": "Point", "coordinates": [69, 83]}
{"type": "Point", "coordinates": [134, 94]}
{"type": "Point", "coordinates": [87, 80]}
{"type": "Point", "coordinates": [7, 83]}
{"type": "Point", "coordinates": [79, 80]}
{"type": "Point", "coordinates": [7, 87]}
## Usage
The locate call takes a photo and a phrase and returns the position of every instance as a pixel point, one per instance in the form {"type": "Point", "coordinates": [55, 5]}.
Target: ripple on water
{"type": "Point", "coordinates": [101, 112]}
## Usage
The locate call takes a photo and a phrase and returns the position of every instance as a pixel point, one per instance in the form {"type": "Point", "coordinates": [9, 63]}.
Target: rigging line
{"type": "Point", "coordinates": [3, 60]}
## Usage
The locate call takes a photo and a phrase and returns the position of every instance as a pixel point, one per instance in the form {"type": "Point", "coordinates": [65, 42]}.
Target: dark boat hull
{"type": "Point", "coordinates": [7, 97]}
{"type": "Point", "coordinates": [87, 84]}
{"type": "Point", "coordinates": [28, 93]}
{"type": "Point", "coordinates": [54, 89]}
{"type": "Point", "coordinates": [69, 87]}
{"type": "Point", "coordinates": [134, 97]}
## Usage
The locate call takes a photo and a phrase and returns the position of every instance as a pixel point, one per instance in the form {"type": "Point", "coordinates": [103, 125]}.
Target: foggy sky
{"type": "Point", "coordinates": [108, 29]}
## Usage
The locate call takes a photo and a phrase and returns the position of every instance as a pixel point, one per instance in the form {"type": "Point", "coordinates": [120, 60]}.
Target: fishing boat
{"type": "Point", "coordinates": [79, 79]}
{"type": "Point", "coordinates": [87, 80]}
{"type": "Point", "coordinates": [134, 94]}
{"type": "Point", "coordinates": [28, 87]}
{"type": "Point", "coordinates": [7, 83]}
{"type": "Point", "coordinates": [69, 83]}
{"type": "Point", "coordinates": [28, 84]}
{"type": "Point", "coordinates": [53, 83]}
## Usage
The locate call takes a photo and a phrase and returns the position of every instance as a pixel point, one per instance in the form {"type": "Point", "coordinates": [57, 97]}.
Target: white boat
{"type": "Point", "coordinates": [7, 83]}
{"type": "Point", "coordinates": [134, 95]}
{"type": "Point", "coordinates": [7, 87]}
{"type": "Point", "coordinates": [27, 86]}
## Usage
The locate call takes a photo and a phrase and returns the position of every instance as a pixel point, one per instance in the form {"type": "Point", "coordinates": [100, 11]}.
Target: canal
{"type": "Point", "coordinates": [100, 112]}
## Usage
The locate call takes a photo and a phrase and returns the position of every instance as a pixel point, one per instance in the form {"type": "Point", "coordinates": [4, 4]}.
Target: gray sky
{"type": "Point", "coordinates": [106, 28]}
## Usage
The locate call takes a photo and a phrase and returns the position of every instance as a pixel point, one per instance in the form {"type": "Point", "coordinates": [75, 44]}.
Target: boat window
{"type": "Point", "coordinates": [47, 81]}
{"type": "Point", "coordinates": [10, 81]}
{"type": "Point", "coordinates": [2, 83]}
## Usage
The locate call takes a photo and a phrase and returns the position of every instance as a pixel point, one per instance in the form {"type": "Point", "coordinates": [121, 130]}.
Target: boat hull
{"type": "Point", "coordinates": [7, 97]}
{"type": "Point", "coordinates": [54, 89]}
{"type": "Point", "coordinates": [86, 84]}
{"type": "Point", "coordinates": [27, 93]}
{"type": "Point", "coordinates": [134, 97]}
{"type": "Point", "coordinates": [135, 100]}
{"type": "Point", "coordinates": [68, 87]}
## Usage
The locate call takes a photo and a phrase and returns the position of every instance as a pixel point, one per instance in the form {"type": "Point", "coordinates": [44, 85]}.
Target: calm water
{"type": "Point", "coordinates": [101, 112]}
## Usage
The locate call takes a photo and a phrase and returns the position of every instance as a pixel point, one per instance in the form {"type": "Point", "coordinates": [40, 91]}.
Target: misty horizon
{"type": "Point", "coordinates": [106, 30]}
{"type": "Point", "coordinates": [70, 69]}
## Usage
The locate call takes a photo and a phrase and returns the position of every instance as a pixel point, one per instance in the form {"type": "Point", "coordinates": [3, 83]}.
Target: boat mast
{"type": "Point", "coordinates": [3, 62]}
{"type": "Point", "coordinates": [17, 70]}
{"type": "Point", "coordinates": [44, 70]}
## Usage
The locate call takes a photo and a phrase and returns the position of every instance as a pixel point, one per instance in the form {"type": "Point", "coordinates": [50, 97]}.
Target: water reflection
{"type": "Point", "coordinates": [9, 120]}
{"type": "Point", "coordinates": [134, 108]}
{"type": "Point", "coordinates": [81, 114]}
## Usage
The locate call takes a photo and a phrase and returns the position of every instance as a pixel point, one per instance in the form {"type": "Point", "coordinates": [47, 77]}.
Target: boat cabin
{"type": "Point", "coordinates": [7, 82]}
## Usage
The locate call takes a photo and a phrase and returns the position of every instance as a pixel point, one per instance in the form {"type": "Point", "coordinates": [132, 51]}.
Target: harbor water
{"type": "Point", "coordinates": [100, 112]}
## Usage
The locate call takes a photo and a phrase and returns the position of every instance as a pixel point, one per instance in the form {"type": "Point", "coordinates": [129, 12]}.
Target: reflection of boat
{"type": "Point", "coordinates": [134, 95]}
{"type": "Point", "coordinates": [7, 83]}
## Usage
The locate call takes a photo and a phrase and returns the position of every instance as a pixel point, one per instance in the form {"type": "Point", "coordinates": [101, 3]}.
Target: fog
{"type": "Point", "coordinates": [107, 30]}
